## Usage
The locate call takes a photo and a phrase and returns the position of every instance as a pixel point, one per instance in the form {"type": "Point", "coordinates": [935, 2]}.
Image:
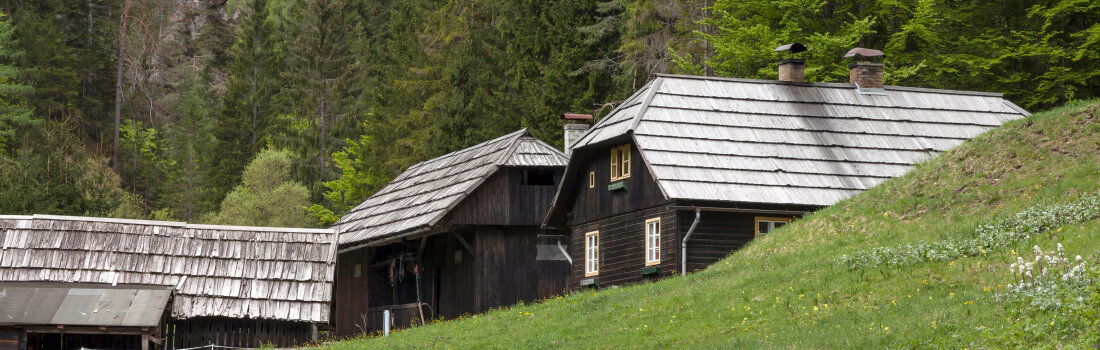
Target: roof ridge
{"type": "Point", "coordinates": [827, 84]}
{"type": "Point", "coordinates": [656, 85]}
{"type": "Point", "coordinates": [165, 223]}
{"type": "Point", "coordinates": [467, 149]}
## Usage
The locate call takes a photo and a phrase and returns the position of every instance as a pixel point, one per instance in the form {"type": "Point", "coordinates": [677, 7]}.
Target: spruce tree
{"type": "Point", "coordinates": [14, 91]}
{"type": "Point", "coordinates": [247, 112]}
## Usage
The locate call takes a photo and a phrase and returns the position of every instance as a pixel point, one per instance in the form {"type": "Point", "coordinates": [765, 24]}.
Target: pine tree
{"type": "Point", "coordinates": [14, 91]}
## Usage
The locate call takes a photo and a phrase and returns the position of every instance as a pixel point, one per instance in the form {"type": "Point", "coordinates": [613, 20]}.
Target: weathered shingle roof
{"type": "Point", "coordinates": [425, 192]}
{"type": "Point", "coordinates": [763, 141]}
{"type": "Point", "coordinates": [229, 271]}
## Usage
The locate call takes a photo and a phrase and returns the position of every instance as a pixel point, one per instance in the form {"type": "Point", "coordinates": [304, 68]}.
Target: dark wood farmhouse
{"type": "Point", "coordinates": [453, 235]}
{"type": "Point", "coordinates": [73, 282]}
{"type": "Point", "coordinates": [690, 168]}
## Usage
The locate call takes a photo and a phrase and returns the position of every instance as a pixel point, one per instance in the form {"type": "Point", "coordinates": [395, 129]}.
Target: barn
{"type": "Point", "coordinates": [81, 282]}
{"type": "Point", "coordinates": [691, 168]}
{"type": "Point", "coordinates": [454, 235]}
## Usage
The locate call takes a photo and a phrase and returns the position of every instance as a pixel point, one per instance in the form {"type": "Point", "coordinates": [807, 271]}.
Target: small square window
{"type": "Point", "coordinates": [358, 270]}
{"type": "Point", "coordinates": [765, 225]}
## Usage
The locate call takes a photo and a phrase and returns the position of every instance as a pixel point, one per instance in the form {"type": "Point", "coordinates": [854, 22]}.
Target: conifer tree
{"type": "Point", "coordinates": [247, 111]}
{"type": "Point", "coordinates": [14, 91]}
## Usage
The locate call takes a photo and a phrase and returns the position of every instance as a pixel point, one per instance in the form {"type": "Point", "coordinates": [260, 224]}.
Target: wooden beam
{"type": "Point", "coordinates": [464, 243]}
{"type": "Point", "coordinates": [85, 330]}
{"type": "Point", "coordinates": [737, 210]}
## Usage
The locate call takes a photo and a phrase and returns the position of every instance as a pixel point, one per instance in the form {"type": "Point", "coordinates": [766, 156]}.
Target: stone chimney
{"type": "Point", "coordinates": [575, 127]}
{"type": "Point", "coordinates": [792, 70]}
{"type": "Point", "coordinates": [866, 75]}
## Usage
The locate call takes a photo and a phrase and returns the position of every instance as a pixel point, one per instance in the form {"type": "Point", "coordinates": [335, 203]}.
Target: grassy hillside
{"type": "Point", "coordinates": [795, 288]}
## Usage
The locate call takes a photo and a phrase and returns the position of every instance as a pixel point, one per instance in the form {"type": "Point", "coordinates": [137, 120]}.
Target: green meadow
{"type": "Point", "coordinates": [797, 288]}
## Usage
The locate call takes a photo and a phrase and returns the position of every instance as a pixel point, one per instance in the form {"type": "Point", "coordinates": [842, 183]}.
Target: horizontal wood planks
{"type": "Point", "coordinates": [597, 203]}
{"type": "Point", "coordinates": [717, 235]}
{"type": "Point", "coordinates": [622, 246]}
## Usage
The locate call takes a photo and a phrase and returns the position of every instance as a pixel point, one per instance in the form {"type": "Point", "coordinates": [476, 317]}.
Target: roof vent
{"type": "Point", "coordinates": [791, 69]}
{"type": "Point", "coordinates": [867, 75]}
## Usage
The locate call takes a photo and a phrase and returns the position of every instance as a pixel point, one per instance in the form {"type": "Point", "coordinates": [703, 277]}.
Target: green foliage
{"type": "Point", "coordinates": [15, 115]}
{"type": "Point", "coordinates": [266, 196]}
{"type": "Point", "coordinates": [53, 174]}
{"type": "Point", "coordinates": [1040, 54]}
{"type": "Point", "coordinates": [244, 121]}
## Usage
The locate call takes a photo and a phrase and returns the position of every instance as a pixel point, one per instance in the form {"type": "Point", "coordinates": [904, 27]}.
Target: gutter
{"type": "Point", "coordinates": [684, 243]}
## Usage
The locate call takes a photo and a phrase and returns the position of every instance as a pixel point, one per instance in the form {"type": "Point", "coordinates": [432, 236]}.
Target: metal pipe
{"type": "Point", "coordinates": [567, 257]}
{"type": "Point", "coordinates": [684, 243]}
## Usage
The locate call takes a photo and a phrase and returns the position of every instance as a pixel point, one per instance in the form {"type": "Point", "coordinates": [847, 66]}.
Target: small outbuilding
{"type": "Point", "coordinates": [691, 168]}
{"type": "Point", "coordinates": [454, 235]}
{"type": "Point", "coordinates": [81, 282]}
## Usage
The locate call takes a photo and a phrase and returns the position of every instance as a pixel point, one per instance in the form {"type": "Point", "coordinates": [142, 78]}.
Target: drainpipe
{"type": "Point", "coordinates": [684, 244]}
{"type": "Point", "coordinates": [563, 252]}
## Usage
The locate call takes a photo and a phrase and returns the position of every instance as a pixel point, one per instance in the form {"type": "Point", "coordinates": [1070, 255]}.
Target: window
{"type": "Point", "coordinates": [592, 253]}
{"type": "Point", "coordinates": [591, 179]}
{"type": "Point", "coordinates": [620, 162]}
{"type": "Point", "coordinates": [653, 241]}
{"type": "Point", "coordinates": [764, 225]}
{"type": "Point", "coordinates": [538, 177]}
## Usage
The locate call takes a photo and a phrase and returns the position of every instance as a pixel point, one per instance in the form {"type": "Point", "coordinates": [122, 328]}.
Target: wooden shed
{"type": "Point", "coordinates": [703, 165]}
{"type": "Point", "coordinates": [73, 282]}
{"type": "Point", "coordinates": [453, 235]}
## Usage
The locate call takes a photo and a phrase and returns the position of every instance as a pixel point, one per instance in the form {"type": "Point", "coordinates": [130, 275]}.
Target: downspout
{"type": "Point", "coordinates": [684, 244]}
{"type": "Point", "coordinates": [563, 252]}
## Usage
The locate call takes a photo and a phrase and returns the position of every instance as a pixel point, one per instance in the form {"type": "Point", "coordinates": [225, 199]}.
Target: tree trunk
{"type": "Point", "coordinates": [118, 80]}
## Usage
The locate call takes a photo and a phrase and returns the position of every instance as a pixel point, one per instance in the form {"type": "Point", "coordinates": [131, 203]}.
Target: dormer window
{"type": "Point", "coordinates": [620, 162]}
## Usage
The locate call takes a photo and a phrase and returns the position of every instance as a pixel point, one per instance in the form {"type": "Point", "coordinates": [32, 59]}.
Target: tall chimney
{"type": "Point", "coordinates": [864, 73]}
{"type": "Point", "coordinates": [792, 70]}
{"type": "Point", "coordinates": [575, 127]}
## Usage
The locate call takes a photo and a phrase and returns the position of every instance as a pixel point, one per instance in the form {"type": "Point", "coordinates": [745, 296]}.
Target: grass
{"type": "Point", "coordinates": [791, 289]}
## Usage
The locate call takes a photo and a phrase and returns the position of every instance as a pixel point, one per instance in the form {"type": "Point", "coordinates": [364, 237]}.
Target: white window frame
{"type": "Point", "coordinates": [592, 254]}
{"type": "Point", "coordinates": [771, 224]}
{"type": "Point", "coordinates": [653, 242]}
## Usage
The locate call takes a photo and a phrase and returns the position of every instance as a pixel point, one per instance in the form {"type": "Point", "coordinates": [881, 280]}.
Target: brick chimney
{"type": "Point", "coordinates": [575, 127]}
{"type": "Point", "coordinates": [792, 70]}
{"type": "Point", "coordinates": [866, 75]}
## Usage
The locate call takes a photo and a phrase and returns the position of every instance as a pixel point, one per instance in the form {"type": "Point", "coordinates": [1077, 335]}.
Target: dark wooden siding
{"type": "Point", "coordinates": [717, 235]}
{"type": "Point", "coordinates": [234, 332]}
{"type": "Point", "coordinates": [351, 291]}
{"type": "Point", "coordinates": [10, 338]}
{"type": "Point", "coordinates": [504, 199]}
{"type": "Point", "coordinates": [592, 204]}
{"type": "Point", "coordinates": [622, 246]}
{"type": "Point", "coordinates": [509, 272]}
{"type": "Point", "coordinates": [501, 271]}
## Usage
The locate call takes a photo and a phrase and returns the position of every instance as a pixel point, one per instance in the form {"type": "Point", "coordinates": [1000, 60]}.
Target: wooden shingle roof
{"type": "Point", "coordinates": [225, 271]}
{"type": "Point", "coordinates": [765, 141]}
{"type": "Point", "coordinates": [426, 192]}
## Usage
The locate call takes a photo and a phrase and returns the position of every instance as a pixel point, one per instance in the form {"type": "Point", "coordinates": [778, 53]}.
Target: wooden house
{"type": "Point", "coordinates": [73, 282]}
{"type": "Point", "coordinates": [453, 235]}
{"type": "Point", "coordinates": [691, 168]}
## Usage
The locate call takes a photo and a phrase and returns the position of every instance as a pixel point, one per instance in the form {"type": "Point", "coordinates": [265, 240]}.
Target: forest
{"type": "Point", "coordinates": [290, 112]}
